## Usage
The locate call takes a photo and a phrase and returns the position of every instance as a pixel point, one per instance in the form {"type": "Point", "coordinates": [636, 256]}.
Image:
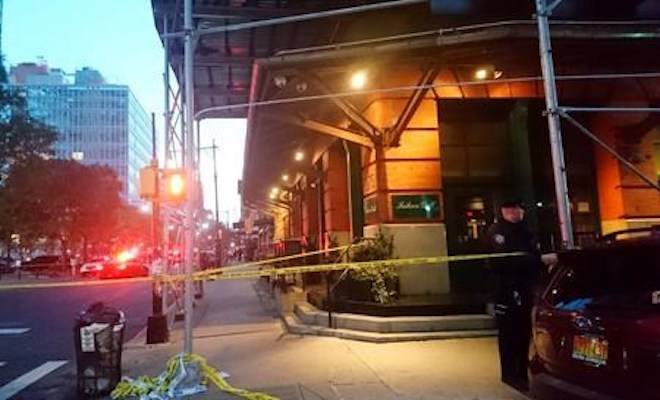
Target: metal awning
{"type": "Point", "coordinates": [284, 61]}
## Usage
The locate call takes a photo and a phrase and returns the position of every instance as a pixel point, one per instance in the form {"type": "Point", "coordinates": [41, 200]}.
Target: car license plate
{"type": "Point", "coordinates": [590, 349]}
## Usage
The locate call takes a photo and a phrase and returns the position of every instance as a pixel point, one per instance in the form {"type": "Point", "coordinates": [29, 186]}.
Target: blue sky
{"type": "Point", "coordinates": [119, 39]}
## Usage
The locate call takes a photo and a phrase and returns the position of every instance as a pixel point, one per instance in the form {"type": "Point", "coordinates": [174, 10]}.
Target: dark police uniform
{"type": "Point", "coordinates": [515, 281]}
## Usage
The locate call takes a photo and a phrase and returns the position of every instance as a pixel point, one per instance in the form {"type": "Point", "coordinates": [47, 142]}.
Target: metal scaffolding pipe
{"type": "Point", "coordinates": [300, 17]}
{"type": "Point", "coordinates": [610, 109]}
{"type": "Point", "coordinates": [554, 126]}
{"type": "Point", "coordinates": [610, 150]}
{"type": "Point", "coordinates": [189, 163]}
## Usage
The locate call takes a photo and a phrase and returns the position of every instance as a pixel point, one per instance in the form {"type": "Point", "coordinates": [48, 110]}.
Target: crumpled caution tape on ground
{"type": "Point", "coordinates": [185, 375]}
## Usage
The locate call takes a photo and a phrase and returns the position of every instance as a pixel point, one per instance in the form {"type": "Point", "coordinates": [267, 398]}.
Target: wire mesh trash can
{"type": "Point", "coordinates": [99, 337]}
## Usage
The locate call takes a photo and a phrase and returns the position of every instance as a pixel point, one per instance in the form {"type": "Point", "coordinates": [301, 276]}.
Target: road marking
{"type": "Point", "coordinates": [13, 331]}
{"type": "Point", "coordinates": [29, 378]}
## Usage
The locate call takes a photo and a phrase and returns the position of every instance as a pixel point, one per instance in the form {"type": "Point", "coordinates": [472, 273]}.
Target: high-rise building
{"type": "Point", "coordinates": [96, 122]}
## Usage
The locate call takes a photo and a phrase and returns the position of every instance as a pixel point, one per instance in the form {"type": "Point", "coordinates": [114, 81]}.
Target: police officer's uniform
{"type": "Point", "coordinates": [515, 280]}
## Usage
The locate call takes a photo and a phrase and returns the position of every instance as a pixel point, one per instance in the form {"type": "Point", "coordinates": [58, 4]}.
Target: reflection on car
{"type": "Point", "coordinates": [596, 329]}
{"type": "Point", "coordinates": [126, 269]}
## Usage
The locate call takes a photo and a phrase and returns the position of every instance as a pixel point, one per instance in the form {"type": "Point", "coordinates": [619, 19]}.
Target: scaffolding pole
{"type": "Point", "coordinates": [554, 124]}
{"type": "Point", "coordinates": [189, 163]}
{"type": "Point", "coordinates": [610, 150]}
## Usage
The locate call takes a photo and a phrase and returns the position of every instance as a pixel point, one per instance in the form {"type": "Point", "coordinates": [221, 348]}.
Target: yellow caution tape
{"type": "Point", "coordinates": [159, 387]}
{"type": "Point", "coordinates": [352, 265]}
{"type": "Point", "coordinates": [276, 260]}
{"type": "Point", "coordinates": [227, 274]}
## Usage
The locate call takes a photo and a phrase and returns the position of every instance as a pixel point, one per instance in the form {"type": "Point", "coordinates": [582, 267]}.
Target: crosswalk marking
{"type": "Point", "coordinates": [13, 331]}
{"type": "Point", "coordinates": [25, 380]}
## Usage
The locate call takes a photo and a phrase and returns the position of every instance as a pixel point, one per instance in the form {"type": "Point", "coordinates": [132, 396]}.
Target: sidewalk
{"type": "Point", "coordinates": [238, 334]}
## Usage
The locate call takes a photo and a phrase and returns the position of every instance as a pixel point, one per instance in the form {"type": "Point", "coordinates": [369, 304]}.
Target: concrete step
{"type": "Point", "coordinates": [310, 315]}
{"type": "Point", "coordinates": [293, 325]}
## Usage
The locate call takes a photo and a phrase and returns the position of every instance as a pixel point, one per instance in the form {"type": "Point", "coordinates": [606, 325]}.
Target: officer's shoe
{"type": "Point", "coordinates": [520, 385]}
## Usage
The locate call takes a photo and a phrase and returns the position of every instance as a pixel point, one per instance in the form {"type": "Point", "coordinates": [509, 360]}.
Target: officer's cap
{"type": "Point", "coordinates": [512, 202]}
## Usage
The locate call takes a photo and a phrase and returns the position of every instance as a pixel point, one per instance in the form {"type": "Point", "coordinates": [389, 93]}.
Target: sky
{"type": "Point", "coordinates": [118, 38]}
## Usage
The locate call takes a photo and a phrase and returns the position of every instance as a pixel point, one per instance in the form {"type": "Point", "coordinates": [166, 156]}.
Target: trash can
{"type": "Point", "coordinates": [99, 337]}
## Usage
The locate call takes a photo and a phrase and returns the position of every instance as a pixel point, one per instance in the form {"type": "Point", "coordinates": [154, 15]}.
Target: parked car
{"type": "Point", "coordinates": [93, 267]}
{"type": "Point", "coordinates": [596, 329]}
{"type": "Point", "coordinates": [8, 265]}
{"type": "Point", "coordinates": [47, 264]}
{"type": "Point", "coordinates": [127, 269]}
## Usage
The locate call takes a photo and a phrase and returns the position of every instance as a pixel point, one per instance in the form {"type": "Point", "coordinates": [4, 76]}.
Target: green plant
{"type": "Point", "coordinates": [379, 248]}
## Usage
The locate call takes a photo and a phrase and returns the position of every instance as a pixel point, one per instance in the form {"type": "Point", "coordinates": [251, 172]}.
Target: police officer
{"type": "Point", "coordinates": [515, 281]}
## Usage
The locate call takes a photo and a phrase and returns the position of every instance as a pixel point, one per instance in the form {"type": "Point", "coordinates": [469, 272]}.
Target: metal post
{"type": "Point", "coordinates": [218, 247]}
{"type": "Point", "coordinates": [166, 83]}
{"type": "Point", "coordinates": [157, 329]}
{"type": "Point", "coordinates": [349, 187]}
{"type": "Point", "coordinates": [199, 146]}
{"type": "Point", "coordinates": [167, 121]}
{"type": "Point", "coordinates": [189, 159]}
{"type": "Point", "coordinates": [554, 125]}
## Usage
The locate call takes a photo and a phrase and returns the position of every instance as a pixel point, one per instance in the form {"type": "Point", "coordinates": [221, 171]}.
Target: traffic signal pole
{"type": "Point", "coordinates": [543, 11]}
{"type": "Point", "coordinates": [157, 329]}
{"type": "Point", "coordinates": [189, 157]}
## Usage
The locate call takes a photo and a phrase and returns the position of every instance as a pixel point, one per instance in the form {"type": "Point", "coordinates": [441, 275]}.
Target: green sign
{"type": "Point", "coordinates": [425, 206]}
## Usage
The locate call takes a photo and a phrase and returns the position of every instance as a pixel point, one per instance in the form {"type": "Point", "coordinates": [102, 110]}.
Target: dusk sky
{"type": "Point", "coordinates": [119, 39]}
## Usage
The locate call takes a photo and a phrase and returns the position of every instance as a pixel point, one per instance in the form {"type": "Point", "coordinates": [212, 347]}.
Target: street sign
{"type": "Point", "coordinates": [417, 207]}
{"type": "Point", "coordinates": [149, 182]}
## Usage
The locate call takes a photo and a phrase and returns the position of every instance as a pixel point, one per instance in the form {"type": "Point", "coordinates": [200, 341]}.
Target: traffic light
{"type": "Point", "coordinates": [174, 187]}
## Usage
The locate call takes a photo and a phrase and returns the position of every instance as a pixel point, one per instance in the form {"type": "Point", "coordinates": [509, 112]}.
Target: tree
{"type": "Point", "coordinates": [22, 138]}
{"type": "Point", "coordinates": [62, 200]}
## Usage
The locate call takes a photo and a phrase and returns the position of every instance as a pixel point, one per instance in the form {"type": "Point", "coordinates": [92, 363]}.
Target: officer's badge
{"type": "Point", "coordinates": [499, 239]}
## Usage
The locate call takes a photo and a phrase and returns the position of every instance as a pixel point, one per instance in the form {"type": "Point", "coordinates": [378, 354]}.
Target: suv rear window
{"type": "Point", "coordinates": [623, 277]}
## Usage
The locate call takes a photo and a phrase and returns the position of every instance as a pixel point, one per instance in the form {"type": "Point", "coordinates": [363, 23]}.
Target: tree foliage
{"type": "Point", "coordinates": [62, 200]}
{"type": "Point", "coordinates": [21, 136]}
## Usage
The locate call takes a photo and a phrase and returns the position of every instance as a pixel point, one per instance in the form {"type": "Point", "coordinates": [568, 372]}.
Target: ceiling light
{"type": "Point", "coordinates": [481, 74]}
{"type": "Point", "coordinates": [359, 79]}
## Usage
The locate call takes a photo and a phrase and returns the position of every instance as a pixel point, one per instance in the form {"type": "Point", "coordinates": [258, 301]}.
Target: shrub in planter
{"type": "Point", "coordinates": [383, 280]}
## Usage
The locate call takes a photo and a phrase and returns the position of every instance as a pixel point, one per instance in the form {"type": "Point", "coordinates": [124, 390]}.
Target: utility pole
{"type": "Point", "coordinates": [218, 234]}
{"type": "Point", "coordinates": [157, 330]}
{"type": "Point", "coordinates": [554, 124]}
{"type": "Point", "coordinates": [189, 157]}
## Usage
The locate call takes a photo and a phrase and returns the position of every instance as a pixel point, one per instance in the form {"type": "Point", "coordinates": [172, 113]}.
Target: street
{"type": "Point", "coordinates": [36, 336]}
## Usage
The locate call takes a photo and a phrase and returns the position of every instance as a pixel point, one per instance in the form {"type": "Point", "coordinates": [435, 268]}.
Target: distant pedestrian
{"type": "Point", "coordinates": [515, 282]}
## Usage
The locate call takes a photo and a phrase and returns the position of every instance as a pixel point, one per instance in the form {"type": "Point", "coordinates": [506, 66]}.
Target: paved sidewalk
{"type": "Point", "coordinates": [237, 332]}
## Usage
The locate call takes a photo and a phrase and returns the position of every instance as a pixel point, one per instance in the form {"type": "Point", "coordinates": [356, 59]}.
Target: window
{"type": "Point", "coordinates": [621, 277]}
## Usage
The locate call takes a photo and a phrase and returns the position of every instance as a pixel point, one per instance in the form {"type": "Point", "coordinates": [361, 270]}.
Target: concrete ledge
{"type": "Point", "coordinates": [310, 315]}
{"type": "Point", "coordinates": [292, 325]}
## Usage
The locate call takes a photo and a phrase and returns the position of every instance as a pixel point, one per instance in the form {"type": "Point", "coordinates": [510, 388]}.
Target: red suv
{"type": "Point", "coordinates": [596, 329]}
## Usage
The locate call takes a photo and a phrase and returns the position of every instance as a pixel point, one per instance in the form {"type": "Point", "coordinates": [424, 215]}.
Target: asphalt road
{"type": "Point", "coordinates": [36, 334]}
